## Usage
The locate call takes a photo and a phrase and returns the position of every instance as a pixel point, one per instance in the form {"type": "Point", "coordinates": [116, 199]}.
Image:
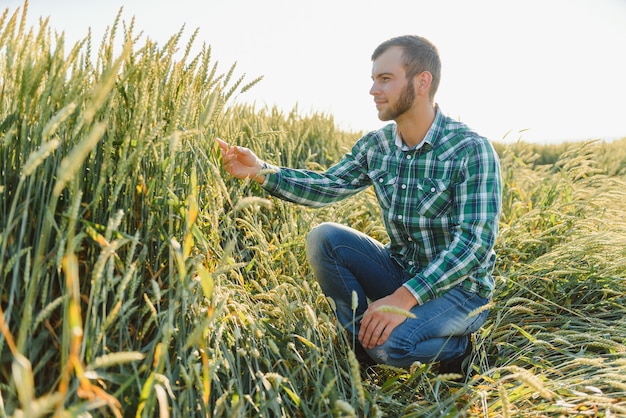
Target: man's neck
{"type": "Point", "coordinates": [414, 125]}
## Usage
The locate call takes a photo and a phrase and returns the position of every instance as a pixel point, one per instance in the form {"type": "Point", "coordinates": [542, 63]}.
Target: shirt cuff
{"type": "Point", "coordinates": [270, 184]}
{"type": "Point", "coordinates": [420, 289]}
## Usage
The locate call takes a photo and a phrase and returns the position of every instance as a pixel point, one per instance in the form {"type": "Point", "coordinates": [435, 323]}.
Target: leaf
{"type": "Point", "coordinates": [206, 281]}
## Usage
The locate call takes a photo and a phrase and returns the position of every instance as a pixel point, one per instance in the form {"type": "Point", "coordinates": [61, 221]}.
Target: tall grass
{"type": "Point", "coordinates": [137, 280]}
{"type": "Point", "coordinates": [102, 165]}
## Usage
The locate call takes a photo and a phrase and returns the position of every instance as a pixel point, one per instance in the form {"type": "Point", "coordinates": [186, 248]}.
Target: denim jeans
{"type": "Point", "coordinates": [345, 261]}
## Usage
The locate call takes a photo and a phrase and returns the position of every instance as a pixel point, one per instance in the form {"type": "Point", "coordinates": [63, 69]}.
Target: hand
{"type": "Point", "coordinates": [240, 162]}
{"type": "Point", "coordinates": [376, 325]}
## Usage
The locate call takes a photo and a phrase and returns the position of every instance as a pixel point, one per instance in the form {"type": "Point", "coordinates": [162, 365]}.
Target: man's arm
{"type": "Point", "coordinates": [477, 205]}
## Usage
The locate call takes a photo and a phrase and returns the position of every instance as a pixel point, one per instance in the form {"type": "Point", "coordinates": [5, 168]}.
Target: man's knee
{"type": "Point", "coordinates": [318, 237]}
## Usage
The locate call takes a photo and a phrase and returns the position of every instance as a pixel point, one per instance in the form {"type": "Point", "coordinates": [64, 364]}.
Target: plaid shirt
{"type": "Point", "coordinates": [440, 202]}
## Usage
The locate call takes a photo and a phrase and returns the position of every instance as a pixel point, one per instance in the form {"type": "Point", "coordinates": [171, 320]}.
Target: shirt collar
{"type": "Point", "coordinates": [429, 138]}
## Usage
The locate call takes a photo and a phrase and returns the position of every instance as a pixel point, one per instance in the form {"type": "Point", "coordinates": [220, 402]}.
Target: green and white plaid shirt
{"type": "Point", "coordinates": [440, 202]}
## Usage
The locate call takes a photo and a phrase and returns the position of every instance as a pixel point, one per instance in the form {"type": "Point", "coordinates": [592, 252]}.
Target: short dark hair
{"type": "Point", "coordinates": [419, 55]}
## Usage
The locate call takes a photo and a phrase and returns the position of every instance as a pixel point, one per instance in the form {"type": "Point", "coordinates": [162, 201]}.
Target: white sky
{"type": "Point", "coordinates": [553, 68]}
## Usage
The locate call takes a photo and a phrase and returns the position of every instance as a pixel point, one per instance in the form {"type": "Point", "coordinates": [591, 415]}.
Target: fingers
{"type": "Point", "coordinates": [240, 162]}
{"type": "Point", "coordinates": [230, 151]}
{"type": "Point", "coordinates": [228, 155]}
{"type": "Point", "coordinates": [377, 326]}
{"type": "Point", "coordinates": [223, 144]}
{"type": "Point", "coordinates": [242, 151]}
{"type": "Point", "coordinates": [376, 337]}
{"type": "Point", "coordinates": [366, 330]}
{"type": "Point", "coordinates": [373, 330]}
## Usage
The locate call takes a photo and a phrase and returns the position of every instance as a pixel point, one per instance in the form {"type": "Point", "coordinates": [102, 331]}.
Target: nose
{"type": "Point", "coordinates": [374, 90]}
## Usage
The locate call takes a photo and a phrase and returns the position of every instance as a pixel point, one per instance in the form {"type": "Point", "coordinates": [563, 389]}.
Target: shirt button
{"type": "Point", "coordinates": [404, 186]}
{"type": "Point", "coordinates": [411, 263]}
{"type": "Point", "coordinates": [410, 239]}
{"type": "Point", "coordinates": [400, 217]}
{"type": "Point", "coordinates": [380, 180]}
{"type": "Point", "coordinates": [408, 157]}
{"type": "Point", "coordinates": [433, 190]}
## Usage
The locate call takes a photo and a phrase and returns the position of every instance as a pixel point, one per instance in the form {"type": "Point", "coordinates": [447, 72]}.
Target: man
{"type": "Point", "coordinates": [439, 188]}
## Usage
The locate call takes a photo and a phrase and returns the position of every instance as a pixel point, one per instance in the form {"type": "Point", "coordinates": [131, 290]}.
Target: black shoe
{"type": "Point", "coordinates": [455, 366]}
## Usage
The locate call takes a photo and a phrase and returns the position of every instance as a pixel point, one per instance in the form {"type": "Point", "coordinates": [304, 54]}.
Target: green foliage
{"type": "Point", "coordinates": [136, 279]}
{"type": "Point", "coordinates": [101, 182]}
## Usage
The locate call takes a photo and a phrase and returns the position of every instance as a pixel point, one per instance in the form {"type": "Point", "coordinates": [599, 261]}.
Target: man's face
{"type": "Point", "coordinates": [393, 93]}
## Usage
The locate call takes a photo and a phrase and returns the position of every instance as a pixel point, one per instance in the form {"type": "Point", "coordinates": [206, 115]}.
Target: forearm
{"type": "Point", "coordinates": [468, 257]}
{"type": "Point", "coordinates": [310, 188]}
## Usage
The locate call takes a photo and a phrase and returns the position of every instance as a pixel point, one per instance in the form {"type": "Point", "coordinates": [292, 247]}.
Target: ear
{"type": "Point", "coordinates": [422, 82]}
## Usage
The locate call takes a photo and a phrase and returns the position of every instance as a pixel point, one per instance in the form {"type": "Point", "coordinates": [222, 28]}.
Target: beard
{"type": "Point", "coordinates": [404, 103]}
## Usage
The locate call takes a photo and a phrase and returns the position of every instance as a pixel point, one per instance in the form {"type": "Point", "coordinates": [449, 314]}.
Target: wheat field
{"type": "Point", "coordinates": [138, 279]}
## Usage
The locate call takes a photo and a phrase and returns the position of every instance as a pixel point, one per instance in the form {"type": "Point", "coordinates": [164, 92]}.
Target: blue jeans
{"type": "Point", "coordinates": [345, 261]}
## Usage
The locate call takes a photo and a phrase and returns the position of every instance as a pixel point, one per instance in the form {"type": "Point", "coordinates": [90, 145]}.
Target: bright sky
{"type": "Point", "coordinates": [554, 69]}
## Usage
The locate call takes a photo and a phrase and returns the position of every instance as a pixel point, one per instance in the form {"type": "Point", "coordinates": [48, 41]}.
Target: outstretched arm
{"type": "Point", "coordinates": [241, 162]}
